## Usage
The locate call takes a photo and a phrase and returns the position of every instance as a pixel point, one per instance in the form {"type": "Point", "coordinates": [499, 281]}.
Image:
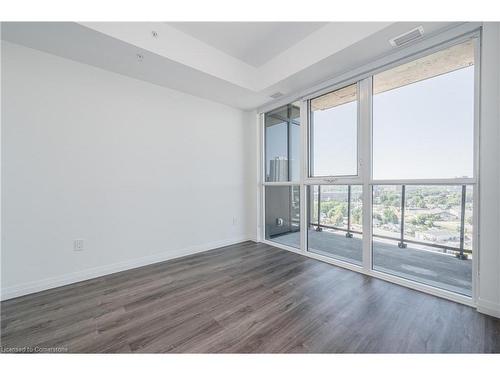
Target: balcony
{"type": "Point", "coordinates": [404, 244]}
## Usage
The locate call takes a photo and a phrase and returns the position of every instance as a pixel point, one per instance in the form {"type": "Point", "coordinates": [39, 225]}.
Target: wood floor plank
{"type": "Point", "coordinates": [244, 298]}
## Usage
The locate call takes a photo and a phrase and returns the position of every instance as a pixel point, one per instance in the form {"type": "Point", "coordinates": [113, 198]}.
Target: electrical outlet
{"type": "Point", "coordinates": [77, 245]}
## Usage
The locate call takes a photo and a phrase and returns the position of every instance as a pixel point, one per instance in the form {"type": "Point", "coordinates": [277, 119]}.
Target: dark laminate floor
{"type": "Point", "coordinates": [244, 298]}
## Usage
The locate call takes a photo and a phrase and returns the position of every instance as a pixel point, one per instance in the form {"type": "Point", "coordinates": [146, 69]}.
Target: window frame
{"type": "Point", "coordinates": [364, 77]}
{"type": "Point", "coordinates": [310, 138]}
{"type": "Point", "coordinates": [289, 122]}
{"type": "Point", "coordinates": [261, 225]}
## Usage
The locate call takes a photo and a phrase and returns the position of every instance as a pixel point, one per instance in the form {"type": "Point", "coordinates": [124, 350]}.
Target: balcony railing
{"type": "Point", "coordinates": [402, 240]}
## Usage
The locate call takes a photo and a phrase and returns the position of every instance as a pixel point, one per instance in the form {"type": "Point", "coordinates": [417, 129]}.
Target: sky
{"type": "Point", "coordinates": [425, 130]}
{"type": "Point", "coordinates": [422, 130]}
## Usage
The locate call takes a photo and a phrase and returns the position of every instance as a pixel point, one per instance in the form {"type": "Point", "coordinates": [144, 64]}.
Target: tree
{"type": "Point", "coordinates": [426, 220]}
{"type": "Point", "coordinates": [390, 199]}
{"type": "Point", "coordinates": [356, 215]}
{"type": "Point", "coordinates": [419, 201]}
{"type": "Point", "coordinates": [390, 216]}
{"type": "Point", "coordinates": [454, 199]}
{"type": "Point", "coordinates": [337, 213]}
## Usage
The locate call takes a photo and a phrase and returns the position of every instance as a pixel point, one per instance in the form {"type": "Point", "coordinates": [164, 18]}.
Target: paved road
{"type": "Point", "coordinates": [432, 268]}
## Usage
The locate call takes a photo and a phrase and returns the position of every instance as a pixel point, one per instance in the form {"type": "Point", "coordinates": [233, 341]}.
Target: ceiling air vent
{"type": "Point", "coordinates": [277, 95]}
{"type": "Point", "coordinates": [407, 37]}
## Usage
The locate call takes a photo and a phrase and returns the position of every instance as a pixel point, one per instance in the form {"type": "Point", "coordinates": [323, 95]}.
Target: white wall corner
{"type": "Point", "coordinates": [250, 174]}
{"type": "Point", "coordinates": [497, 24]}
{"type": "Point", "coordinates": [259, 201]}
{"type": "Point", "coordinates": [488, 307]}
{"type": "Point", "coordinates": [488, 298]}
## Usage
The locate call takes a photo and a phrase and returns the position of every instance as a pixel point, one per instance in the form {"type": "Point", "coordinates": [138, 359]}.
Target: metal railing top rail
{"type": "Point", "coordinates": [402, 239]}
{"type": "Point", "coordinates": [430, 244]}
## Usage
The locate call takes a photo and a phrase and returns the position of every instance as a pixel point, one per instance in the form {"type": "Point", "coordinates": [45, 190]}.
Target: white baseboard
{"type": "Point", "coordinates": [54, 282]}
{"type": "Point", "coordinates": [488, 307]}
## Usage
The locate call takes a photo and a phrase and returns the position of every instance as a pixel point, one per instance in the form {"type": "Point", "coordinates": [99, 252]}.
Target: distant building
{"type": "Point", "coordinates": [278, 169]}
{"type": "Point", "coordinates": [448, 215]}
{"type": "Point", "coordinates": [436, 236]}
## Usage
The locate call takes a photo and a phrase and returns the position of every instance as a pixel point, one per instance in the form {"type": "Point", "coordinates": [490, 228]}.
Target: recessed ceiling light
{"type": "Point", "coordinates": [276, 95]}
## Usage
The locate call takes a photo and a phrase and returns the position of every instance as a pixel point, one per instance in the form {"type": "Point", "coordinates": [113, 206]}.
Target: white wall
{"type": "Point", "coordinates": [252, 183]}
{"type": "Point", "coordinates": [140, 172]}
{"type": "Point", "coordinates": [489, 169]}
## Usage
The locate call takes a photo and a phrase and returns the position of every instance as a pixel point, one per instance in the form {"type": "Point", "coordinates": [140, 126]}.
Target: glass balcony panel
{"type": "Point", "coordinates": [338, 234]}
{"type": "Point", "coordinates": [431, 242]}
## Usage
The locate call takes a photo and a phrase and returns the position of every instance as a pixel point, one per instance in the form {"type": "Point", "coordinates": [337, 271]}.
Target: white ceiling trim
{"type": "Point", "coordinates": [185, 49]}
{"type": "Point", "coordinates": [325, 42]}
{"type": "Point", "coordinates": [252, 42]}
{"type": "Point", "coordinates": [182, 48]}
{"type": "Point", "coordinates": [186, 64]}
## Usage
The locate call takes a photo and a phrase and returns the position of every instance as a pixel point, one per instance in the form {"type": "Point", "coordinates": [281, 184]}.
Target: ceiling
{"type": "Point", "coordinates": [254, 43]}
{"type": "Point", "coordinates": [238, 64]}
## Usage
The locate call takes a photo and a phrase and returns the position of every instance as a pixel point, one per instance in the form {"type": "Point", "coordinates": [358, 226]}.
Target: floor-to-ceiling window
{"type": "Point", "coordinates": [423, 134]}
{"type": "Point", "coordinates": [389, 179]}
{"type": "Point", "coordinates": [335, 208]}
{"type": "Point", "coordinates": [282, 175]}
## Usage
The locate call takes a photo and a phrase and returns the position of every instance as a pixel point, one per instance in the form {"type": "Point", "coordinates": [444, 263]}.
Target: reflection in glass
{"type": "Point", "coordinates": [276, 148]}
{"type": "Point", "coordinates": [282, 144]}
{"type": "Point", "coordinates": [282, 211]}
{"type": "Point", "coordinates": [294, 152]}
